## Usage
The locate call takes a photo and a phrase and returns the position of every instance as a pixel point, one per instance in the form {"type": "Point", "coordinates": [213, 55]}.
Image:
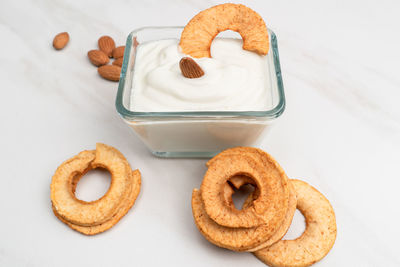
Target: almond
{"type": "Point", "coordinates": [110, 72]}
{"type": "Point", "coordinates": [118, 61]}
{"type": "Point", "coordinates": [60, 40]}
{"type": "Point", "coordinates": [190, 69]}
{"type": "Point", "coordinates": [106, 44]}
{"type": "Point", "coordinates": [98, 58]}
{"type": "Point", "coordinates": [118, 52]}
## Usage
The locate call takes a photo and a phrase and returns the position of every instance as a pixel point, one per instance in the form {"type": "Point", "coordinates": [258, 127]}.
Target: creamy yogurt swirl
{"type": "Point", "coordinates": [234, 79]}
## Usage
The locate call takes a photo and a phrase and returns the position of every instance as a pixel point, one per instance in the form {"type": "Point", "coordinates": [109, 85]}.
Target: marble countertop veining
{"type": "Point", "coordinates": [340, 131]}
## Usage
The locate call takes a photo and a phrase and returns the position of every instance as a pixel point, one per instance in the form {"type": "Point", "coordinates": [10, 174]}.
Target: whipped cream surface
{"type": "Point", "coordinates": [234, 79]}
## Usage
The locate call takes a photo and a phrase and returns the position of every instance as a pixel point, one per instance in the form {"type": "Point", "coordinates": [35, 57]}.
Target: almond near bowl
{"type": "Point", "coordinates": [196, 133]}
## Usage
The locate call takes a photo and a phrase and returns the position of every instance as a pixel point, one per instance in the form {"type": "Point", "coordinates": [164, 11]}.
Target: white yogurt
{"type": "Point", "coordinates": [234, 79]}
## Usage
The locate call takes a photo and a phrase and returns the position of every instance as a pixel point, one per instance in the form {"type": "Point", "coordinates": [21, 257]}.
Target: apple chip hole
{"type": "Point", "coordinates": [297, 227]}
{"type": "Point", "coordinates": [93, 185]}
{"type": "Point", "coordinates": [229, 34]}
{"type": "Point", "coordinates": [240, 195]}
{"type": "Point", "coordinates": [226, 34]}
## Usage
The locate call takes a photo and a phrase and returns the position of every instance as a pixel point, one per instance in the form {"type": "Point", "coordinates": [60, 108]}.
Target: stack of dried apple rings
{"type": "Point", "coordinates": [97, 216]}
{"type": "Point", "coordinates": [267, 213]}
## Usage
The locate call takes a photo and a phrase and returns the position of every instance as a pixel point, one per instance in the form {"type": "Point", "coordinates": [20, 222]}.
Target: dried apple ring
{"type": "Point", "coordinates": [269, 208]}
{"type": "Point", "coordinates": [126, 205]}
{"type": "Point", "coordinates": [318, 237]}
{"type": "Point", "coordinates": [198, 34]}
{"type": "Point", "coordinates": [95, 212]}
{"type": "Point", "coordinates": [269, 163]}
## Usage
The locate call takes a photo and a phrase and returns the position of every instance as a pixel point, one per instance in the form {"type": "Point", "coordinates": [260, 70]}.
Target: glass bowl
{"type": "Point", "coordinates": [202, 133]}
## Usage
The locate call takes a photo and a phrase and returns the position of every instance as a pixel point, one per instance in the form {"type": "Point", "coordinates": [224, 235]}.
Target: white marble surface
{"type": "Point", "coordinates": [340, 131]}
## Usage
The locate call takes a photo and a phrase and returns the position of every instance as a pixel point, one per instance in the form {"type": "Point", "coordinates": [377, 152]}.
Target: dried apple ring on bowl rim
{"type": "Point", "coordinates": [95, 212]}
{"type": "Point", "coordinates": [201, 30]}
{"type": "Point", "coordinates": [270, 206]}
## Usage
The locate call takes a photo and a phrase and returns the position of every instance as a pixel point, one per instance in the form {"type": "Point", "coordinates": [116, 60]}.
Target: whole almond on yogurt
{"type": "Point", "coordinates": [60, 40]}
{"type": "Point", "coordinates": [106, 44]}
{"type": "Point", "coordinates": [118, 52]}
{"type": "Point", "coordinates": [190, 69]}
{"type": "Point", "coordinates": [118, 61]}
{"type": "Point", "coordinates": [110, 72]}
{"type": "Point", "coordinates": [98, 58]}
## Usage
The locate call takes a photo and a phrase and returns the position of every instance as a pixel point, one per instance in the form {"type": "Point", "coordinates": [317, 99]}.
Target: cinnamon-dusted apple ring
{"type": "Point", "coordinates": [198, 34]}
{"type": "Point", "coordinates": [269, 163]}
{"type": "Point", "coordinates": [274, 181]}
{"type": "Point", "coordinates": [237, 239]}
{"type": "Point", "coordinates": [239, 181]}
{"type": "Point", "coordinates": [269, 208]}
{"type": "Point", "coordinates": [126, 204]}
{"type": "Point", "coordinates": [318, 237]}
{"type": "Point", "coordinates": [95, 212]}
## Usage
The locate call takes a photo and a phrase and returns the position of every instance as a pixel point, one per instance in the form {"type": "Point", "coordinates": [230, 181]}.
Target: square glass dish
{"type": "Point", "coordinates": [202, 133]}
